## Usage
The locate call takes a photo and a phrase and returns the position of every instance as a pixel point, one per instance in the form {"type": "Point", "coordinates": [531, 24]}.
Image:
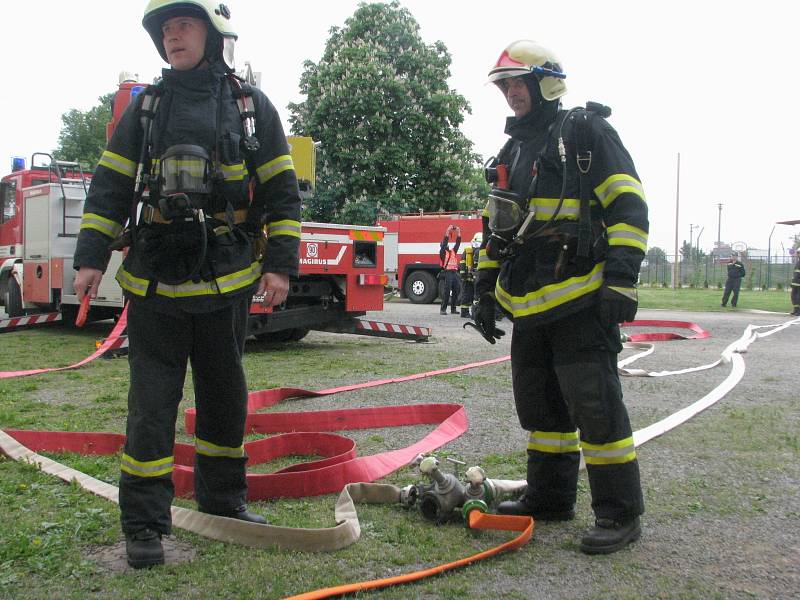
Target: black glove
{"type": "Point", "coordinates": [618, 304]}
{"type": "Point", "coordinates": [484, 319]}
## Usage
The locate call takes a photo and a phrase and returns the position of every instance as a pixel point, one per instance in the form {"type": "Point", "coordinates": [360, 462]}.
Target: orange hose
{"type": "Point", "coordinates": [477, 520]}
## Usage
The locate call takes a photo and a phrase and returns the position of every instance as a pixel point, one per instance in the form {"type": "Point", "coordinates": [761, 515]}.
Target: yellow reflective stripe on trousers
{"type": "Point", "coordinates": [146, 468]}
{"type": "Point", "coordinates": [627, 235]}
{"type": "Point", "coordinates": [484, 262]}
{"type": "Point", "coordinates": [609, 454]}
{"type": "Point", "coordinates": [105, 226]}
{"type": "Point", "coordinates": [285, 227]}
{"type": "Point", "coordinates": [118, 163]}
{"type": "Point", "coordinates": [277, 165]}
{"type": "Point", "coordinates": [208, 449]}
{"type": "Point", "coordinates": [552, 295]}
{"type": "Point", "coordinates": [554, 442]}
{"type": "Point", "coordinates": [618, 184]}
{"type": "Point", "coordinates": [226, 283]}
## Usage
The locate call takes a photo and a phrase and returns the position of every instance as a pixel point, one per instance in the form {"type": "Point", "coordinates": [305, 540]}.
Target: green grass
{"type": "Point", "coordinates": [47, 526]}
{"type": "Point", "coordinates": [710, 300]}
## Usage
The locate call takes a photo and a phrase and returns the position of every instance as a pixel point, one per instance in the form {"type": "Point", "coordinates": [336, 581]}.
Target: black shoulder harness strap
{"type": "Point", "coordinates": [583, 159]}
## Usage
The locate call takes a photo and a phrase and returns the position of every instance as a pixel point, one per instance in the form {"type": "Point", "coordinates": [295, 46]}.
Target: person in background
{"type": "Point", "coordinates": [565, 232]}
{"type": "Point", "coordinates": [449, 286]}
{"type": "Point", "coordinates": [795, 295]}
{"type": "Point", "coordinates": [736, 273]}
{"type": "Point", "coordinates": [197, 255]}
{"type": "Point", "coordinates": [466, 270]}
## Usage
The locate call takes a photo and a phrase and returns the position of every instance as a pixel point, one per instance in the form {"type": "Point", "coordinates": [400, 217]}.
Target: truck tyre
{"type": "Point", "coordinates": [420, 287]}
{"type": "Point", "coordinates": [282, 336]}
{"type": "Point", "coordinates": [14, 299]}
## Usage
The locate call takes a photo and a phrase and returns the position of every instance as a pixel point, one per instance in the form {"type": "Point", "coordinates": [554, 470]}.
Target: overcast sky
{"type": "Point", "coordinates": [714, 81]}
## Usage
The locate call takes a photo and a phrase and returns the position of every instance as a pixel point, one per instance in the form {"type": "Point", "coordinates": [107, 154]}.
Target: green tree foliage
{"type": "Point", "coordinates": [656, 254]}
{"type": "Point", "coordinates": [83, 136]}
{"type": "Point", "coordinates": [379, 103]}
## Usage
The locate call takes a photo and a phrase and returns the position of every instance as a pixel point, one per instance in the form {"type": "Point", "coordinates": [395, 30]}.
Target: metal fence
{"type": "Point", "coordinates": [773, 273]}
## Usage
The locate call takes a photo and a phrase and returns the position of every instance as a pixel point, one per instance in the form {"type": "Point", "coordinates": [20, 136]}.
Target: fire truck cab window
{"type": "Point", "coordinates": [365, 254]}
{"type": "Point", "coordinates": [8, 205]}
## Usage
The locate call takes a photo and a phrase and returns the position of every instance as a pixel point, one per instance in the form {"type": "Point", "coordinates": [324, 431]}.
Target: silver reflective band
{"type": "Point", "coordinates": [185, 169]}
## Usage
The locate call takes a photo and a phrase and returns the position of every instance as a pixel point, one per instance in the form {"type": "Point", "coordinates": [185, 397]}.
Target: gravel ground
{"type": "Point", "coordinates": [722, 495]}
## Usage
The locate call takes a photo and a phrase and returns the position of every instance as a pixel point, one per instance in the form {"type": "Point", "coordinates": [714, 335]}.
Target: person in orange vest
{"type": "Point", "coordinates": [449, 284]}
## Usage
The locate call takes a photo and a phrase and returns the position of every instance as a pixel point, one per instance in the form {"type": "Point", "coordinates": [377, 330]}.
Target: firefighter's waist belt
{"type": "Point", "coordinates": [151, 214]}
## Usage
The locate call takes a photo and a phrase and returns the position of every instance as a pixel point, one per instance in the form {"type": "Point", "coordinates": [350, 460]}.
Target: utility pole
{"type": "Point", "coordinates": [676, 264]}
{"type": "Point", "coordinates": [719, 226]}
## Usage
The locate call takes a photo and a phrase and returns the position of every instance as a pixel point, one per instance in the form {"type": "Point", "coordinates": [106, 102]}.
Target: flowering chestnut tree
{"type": "Point", "coordinates": [387, 122]}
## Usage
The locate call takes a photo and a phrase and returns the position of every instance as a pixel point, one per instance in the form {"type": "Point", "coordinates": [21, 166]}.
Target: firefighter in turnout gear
{"type": "Point", "coordinates": [565, 231]}
{"type": "Point", "coordinates": [733, 282]}
{"type": "Point", "coordinates": [449, 285]}
{"type": "Point", "coordinates": [466, 271]}
{"type": "Point", "coordinates": [795, 295]}
{"type": "Point", "coordinates": [219, 222]}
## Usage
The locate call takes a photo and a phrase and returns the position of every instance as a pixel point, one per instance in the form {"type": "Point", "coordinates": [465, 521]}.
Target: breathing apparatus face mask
{"type": "Point", "coordinates": [505, 212]}
{"type": "Point", "coordinates": [185, 181]}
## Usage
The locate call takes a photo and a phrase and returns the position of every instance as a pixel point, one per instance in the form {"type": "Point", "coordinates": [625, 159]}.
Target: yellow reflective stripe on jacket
{"type": "Point", "coordinates": [208, 449]}
{"type": "Point", "coordinates": [234, 172]}
{"type": "Point", "coordinates": [545, 208]}
{"type": "Point", "coordinates": [226, 283]}
{"type": "Point", "coordinates": [277, 165]}
{"type": "Point", "coordinates": [135, 285]}
{"type": "Point", "coordinates": [615, 185]}
{"type": "Point", "coordinates": [554, 442]}
{"type": "Point", "coordinates": [105, 226]}
{"type": "Point", "coordinates": [285, 227]}
{"type": "Point", "coordinates": [118, 163]}
{"type": "Point", "coordinates": [622, 234]}
{"type": "Point", "coordinates": [147, 468]}
{"type": "Point", "coordinates": [609, 454]}
{"type": "Point", "coordinates": [484, 262]}
{"type": "Point", "coordinates": [550, 296]}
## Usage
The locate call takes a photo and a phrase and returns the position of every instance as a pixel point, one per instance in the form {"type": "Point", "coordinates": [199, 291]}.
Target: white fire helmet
{"type": "Point", "coordinates": [215, 13]}
{"type": "Point", "coordinates": [477, 239]}
{"type": "Point", "coordinates": [526, 56]}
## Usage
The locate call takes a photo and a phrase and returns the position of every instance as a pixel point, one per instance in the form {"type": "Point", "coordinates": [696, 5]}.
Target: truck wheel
{"type": "Point", "coordinates": [420, 287]}
{"type": "Point", "coordinates": [276, 337]}
{"type": "Point", "coordinates": [298, 333]}
{"type": "Point", "coordinates": [14, 299]}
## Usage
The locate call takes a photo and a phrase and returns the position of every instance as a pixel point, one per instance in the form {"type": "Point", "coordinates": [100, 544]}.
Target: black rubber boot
{"type": "Point", "coordinates": [608, 536]}
{"type": "Point", "coordinates": [453, 311]}
{"type": "Point", "coordinates": [443, 312]}
{"type": "Point", "coordinates": [241, 513]}
{"type": "Point", "coordinates": [144, 549]}
{"type": "Point", "coordinates": [796, 312]}
{"type": "Point", "coordinates": [465, 313]}
{"type": "Point", "coordinates": [524, 506]}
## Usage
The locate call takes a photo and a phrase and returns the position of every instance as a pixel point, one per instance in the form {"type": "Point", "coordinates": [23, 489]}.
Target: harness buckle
{"type": "Point", "coordinates": [585, 159]}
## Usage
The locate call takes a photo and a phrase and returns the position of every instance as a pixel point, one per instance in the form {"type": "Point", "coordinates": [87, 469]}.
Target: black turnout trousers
{"type": "Point", "coordinates": [161, 344]}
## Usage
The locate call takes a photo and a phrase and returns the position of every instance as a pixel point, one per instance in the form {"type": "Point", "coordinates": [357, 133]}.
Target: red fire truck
{"type": "Point", "coordinates": [411, 249]}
